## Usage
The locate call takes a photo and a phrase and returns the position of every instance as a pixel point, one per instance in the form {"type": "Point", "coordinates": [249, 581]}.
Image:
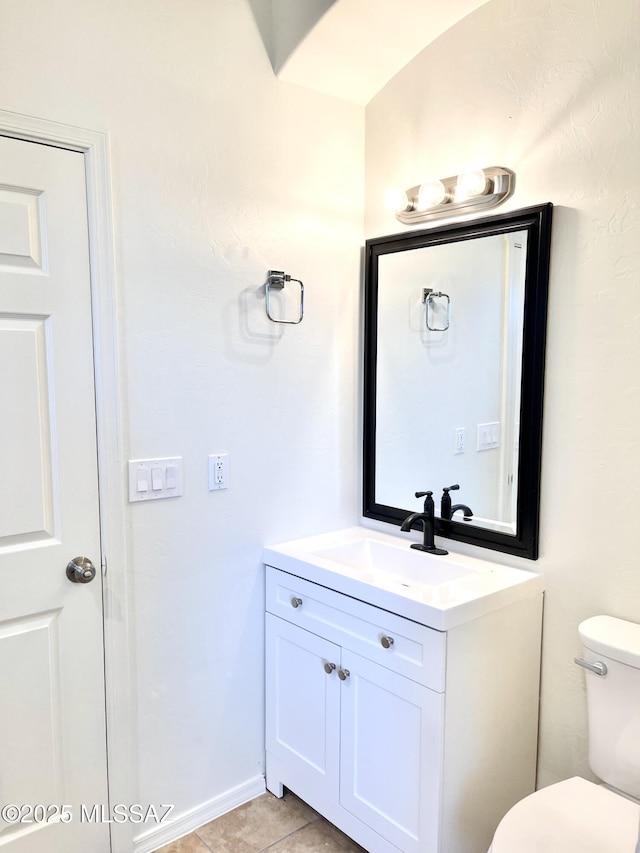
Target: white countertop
{"type": "Point", "coordinates": [382, 570]}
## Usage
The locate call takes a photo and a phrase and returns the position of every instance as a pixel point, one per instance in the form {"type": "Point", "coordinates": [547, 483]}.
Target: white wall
{"type": "Point", "coordinates": [552, 90]}
{"type": "Point", "coordinates": [219, 173]}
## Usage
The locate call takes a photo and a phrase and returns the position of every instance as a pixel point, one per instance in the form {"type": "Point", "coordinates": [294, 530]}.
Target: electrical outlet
{"type": "Point", "coordinates": [218, 471]}
{"type": "Point", "coordinates": [459, 440]}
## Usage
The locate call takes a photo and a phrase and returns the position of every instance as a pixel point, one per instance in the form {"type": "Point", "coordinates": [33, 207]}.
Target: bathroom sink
{"type": "Point", "coordinates": [400, 565]}
{"type": "Point", "coordinates": [381, 569]}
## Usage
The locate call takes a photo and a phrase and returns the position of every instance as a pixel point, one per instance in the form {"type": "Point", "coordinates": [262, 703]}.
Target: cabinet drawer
{"type": "Point", "coordinates": [409, 649]}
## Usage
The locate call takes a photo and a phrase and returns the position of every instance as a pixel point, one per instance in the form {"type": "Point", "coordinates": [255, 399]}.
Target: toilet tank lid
{"type": "Point", "coordinates": [615, 638]}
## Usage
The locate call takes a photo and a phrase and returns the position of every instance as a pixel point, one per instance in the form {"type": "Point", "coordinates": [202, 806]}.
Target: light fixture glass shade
{"type": "Point", "coordinates": [471, 184]}
{"type": "Point", "coordinates": [431, 194]}
{"type": "Point", "coordinates": [396, 199]}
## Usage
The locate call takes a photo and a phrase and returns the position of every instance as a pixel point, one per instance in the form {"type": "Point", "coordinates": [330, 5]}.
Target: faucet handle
{"type": "Point", "coordinates": [445, 501]}
{"type": "Point", "coordinates": [429, 506]}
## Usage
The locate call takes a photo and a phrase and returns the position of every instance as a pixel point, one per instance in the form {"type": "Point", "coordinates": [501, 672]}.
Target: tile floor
{"type": "Point", "coordinates": [266, 823]}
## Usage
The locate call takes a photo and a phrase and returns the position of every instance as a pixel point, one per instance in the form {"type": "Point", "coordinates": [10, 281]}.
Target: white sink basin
{"type": "Point", "coordinates": [436, 590]}
{"type": "Point", "coordinates": [393, 562]}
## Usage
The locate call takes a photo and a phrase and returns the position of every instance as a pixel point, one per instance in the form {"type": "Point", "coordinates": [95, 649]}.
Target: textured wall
{"type": "Point", "coordinates": [219, 173]}
{"type": "Point", "coordinates": [552, 90]}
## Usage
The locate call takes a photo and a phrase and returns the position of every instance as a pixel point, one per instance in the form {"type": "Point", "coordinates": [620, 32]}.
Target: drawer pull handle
{"type": "Point", "coordinates": [329, 667]}
{"type": "Point", "coordinates": [386, 642]}
{"type": "Point", "coordinates": [296, 602]}
{"type": "Point", "coordinates": [343, 674]}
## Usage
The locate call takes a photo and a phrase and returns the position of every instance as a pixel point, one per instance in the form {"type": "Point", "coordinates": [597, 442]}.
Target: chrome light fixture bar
{"type": "Point", "coordinates": [464, 193]}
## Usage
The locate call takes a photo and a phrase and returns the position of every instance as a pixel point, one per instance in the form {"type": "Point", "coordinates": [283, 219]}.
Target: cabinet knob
{"type": "Point", "coordinates": [343, 674]}
{"type": "Point", "coordinates": [386, 642]}
{"type": "Point", "coordinates": [329, 667]}
{"type": "Point", "coordinates": [296, 602]}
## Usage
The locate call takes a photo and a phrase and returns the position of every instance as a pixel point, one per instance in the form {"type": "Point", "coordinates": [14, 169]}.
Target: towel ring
{"type": "Point", "coordinates": [429, 295]}
{"type": "Point", "coordinates": [275, 281]}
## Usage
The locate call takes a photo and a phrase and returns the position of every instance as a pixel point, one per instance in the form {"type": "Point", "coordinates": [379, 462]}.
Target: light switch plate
{"type": "Point", "coordinates": [153, 479]}
{"type": "Point", "coordinates": [488, 436]}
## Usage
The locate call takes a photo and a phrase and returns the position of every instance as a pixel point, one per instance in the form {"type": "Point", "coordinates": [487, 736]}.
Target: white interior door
{"type": "Point", "coordinates": [52, 710]}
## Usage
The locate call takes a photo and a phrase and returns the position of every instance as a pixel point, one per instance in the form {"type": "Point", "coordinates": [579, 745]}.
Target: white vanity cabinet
{"type": "Point", "coordinates": [353, 730]}
{"type": "Point", "coordinates": [407, 738]}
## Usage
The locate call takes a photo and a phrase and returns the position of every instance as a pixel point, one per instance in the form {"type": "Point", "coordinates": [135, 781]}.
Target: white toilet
{"type": "Point", "coordinates": [577, 816]}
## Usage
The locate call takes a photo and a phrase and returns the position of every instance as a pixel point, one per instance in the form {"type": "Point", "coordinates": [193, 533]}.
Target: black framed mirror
{"type": "Point", "coordinates": [455, 327]}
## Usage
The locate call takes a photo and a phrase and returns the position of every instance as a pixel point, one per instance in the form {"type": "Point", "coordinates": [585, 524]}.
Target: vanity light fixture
{"type": "Point", "coordinates": [395, 199]}
{"type": "Point", "coordinates": [430, 195]}
{"type": "Point", "coordinates": [481, 189]}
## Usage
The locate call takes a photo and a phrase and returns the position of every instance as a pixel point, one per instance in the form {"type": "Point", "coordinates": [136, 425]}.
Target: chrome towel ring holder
{"type": "Point", "coordinates": [276, 280]}
{"type": "Point", "coordinates": [429, 297]}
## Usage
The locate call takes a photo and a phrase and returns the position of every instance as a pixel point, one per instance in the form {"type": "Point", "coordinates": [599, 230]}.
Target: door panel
{"type": "Point", "coordinates": [21, 232]}
{"type": "Point", "coordinates": [26, 487]}
{"type": "Point", "coordinates": [303, 704]}
{"type": "Point", "coordinates": [29, 722]}
{"type": "Point", "coordinates": [391, 754]}
{"type": "Point", "coordinates": [52, 721]}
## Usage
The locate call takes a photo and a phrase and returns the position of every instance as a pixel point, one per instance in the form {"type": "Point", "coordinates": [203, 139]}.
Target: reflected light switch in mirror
{"type": "Point", "coordinates": [488, 436]}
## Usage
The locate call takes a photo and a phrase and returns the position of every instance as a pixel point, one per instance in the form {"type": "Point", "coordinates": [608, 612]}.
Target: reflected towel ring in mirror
{"type": "Point", "coordinates": [275, 281]}
{"type": "Point", "coordinates": [430, 297]}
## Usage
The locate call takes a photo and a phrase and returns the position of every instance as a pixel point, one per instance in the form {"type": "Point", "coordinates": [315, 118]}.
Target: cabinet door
{"type": "Point", "coordinates": [303, 705]}
{"type": "Point", "coordinates": [391, 764]}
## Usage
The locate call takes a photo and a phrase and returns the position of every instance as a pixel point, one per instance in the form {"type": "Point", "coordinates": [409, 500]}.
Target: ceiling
{"type": "Point", "coordinates": [357, 46]}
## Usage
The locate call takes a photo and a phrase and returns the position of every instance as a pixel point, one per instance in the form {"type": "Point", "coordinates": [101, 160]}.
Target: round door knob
{"type": "Point", "coordinates": [329, 667]}
{"type": "Point", "coordinates": [343, 674]}
{"type": "Point", "coordinates": [296, 602]}
{"type": "Point", "coordinates": [81, 570]}
{"type": "Point", "coordinates": [386, 642]}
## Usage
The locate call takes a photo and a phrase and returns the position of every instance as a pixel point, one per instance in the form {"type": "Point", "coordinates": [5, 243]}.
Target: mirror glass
{"type": "Point", "coordinates": [454, 356]}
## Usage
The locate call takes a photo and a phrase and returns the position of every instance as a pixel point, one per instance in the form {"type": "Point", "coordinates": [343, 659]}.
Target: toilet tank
{"type": "Point", "coordinates": [613, 701]}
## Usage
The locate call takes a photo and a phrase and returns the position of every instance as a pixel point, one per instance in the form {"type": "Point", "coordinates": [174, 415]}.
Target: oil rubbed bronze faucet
{"type": "Point", "coordinates": [447, 510]}
{"type": "Point", "coordinates": [427, 517]}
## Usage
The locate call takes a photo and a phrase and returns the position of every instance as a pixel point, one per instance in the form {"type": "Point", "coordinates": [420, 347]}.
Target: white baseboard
{"type": "Point", "coordinates": [188, 821]}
